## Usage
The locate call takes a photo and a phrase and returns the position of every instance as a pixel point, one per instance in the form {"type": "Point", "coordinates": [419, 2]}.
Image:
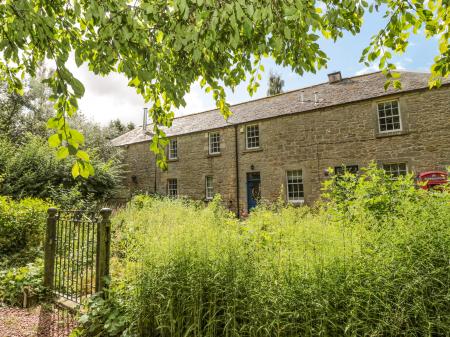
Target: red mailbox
{"type": "Point", "coordinates": [432, 179]}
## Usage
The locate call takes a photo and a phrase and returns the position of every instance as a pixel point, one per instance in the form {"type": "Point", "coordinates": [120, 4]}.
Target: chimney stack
{"type": "Point", "coordinates": [145, 118]}
{"type": "Point", "coordinates": [334, 77]}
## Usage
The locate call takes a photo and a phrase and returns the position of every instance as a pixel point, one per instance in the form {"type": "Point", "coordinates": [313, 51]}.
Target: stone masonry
{"type": "Point", "coordinates": [323, 136]}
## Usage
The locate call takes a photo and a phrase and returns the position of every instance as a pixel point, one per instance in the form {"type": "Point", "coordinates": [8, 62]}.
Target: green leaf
{"type": "Point", "coordinates": [75, 169]}
{"type": "Point", "coordinates": [52, 123]}
{"type": "Point", "coordinates": [54, 140]}
{"type": "Point", "coordinates": [77, 86]}
{"type": "Point", "coordinates": [76, 136]}
{"type": "Point", "coordinates": [287, 32]}
{"type": "Point", "coordinates": [82, 155]}
{"type": "Point", "coordinates": [62, 153]}
{"type": "Point", "coordinates": [159, 36]}
{"type": "Point", "coordinates": [84, 171]}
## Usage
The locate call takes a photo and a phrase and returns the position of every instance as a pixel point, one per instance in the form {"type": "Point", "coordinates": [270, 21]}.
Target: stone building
{"type": "Point", "coordinates": [285, 143]}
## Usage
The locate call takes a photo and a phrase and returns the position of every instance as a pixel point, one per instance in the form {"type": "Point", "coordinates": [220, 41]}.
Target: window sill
{"type": "Point", "coordinates": [211, 155]}
{"type": "Point", "coordinates": [296, 202]}
{"type": "Point", "coordinates": [172, 159]}
{"type": "Point", "coordinates": [258, 149]}
{"type": "Point", "coordinates": [391, 134]}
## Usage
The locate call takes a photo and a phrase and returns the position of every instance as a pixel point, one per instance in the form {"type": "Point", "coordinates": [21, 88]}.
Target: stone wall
{"type": "Point", "coordinates": [310, 141]}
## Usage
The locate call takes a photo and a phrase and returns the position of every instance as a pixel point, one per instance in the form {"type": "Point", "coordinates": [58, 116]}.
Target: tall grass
{"type": "Point", "coordinates": [373, 264]}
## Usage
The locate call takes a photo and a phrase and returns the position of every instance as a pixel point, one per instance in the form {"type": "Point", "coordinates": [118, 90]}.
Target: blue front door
{"type": "Point", "coordinates": [253, 189]}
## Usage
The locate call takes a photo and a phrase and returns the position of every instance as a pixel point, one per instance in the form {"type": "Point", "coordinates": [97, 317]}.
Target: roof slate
{"type": "Point", "coordinates": [347, 90]}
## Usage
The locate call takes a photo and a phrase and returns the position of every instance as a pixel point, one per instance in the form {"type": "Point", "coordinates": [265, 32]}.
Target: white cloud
{"type": "Point", "coordinates": [196, 101]}
{"type": "Point", "coordinates": [399, 65]}
{"type": "Point", "coordinates": [108, 97]}
{"type": "Point", "coordinates": [367, 70]}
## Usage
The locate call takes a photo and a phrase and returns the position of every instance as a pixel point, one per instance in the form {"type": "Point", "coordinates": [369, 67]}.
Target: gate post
{"type": "Point", "coordinates": [50, 244]}
{"type": "Point", "coordinates": [103, 249]}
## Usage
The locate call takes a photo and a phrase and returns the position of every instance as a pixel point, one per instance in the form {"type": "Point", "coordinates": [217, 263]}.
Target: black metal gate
{"type": "Point", "coordinates": [77, 252]}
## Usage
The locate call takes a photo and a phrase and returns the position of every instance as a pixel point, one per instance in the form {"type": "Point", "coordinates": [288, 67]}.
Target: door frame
{"type": "Point", "coordinates": [252, 177]}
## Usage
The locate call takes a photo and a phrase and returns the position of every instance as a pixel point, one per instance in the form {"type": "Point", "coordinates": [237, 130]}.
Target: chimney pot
{"type": "Point", "coordinates": [334, 77]}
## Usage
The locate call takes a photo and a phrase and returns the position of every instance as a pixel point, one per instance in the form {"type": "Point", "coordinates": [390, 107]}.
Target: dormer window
{"type": "Point", "coordinates": [389, 116]}
{"type": "Point", "coordinates": [173, 149]}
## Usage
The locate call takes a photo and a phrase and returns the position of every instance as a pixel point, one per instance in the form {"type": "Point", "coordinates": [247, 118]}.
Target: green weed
{"type": "Point", "coordinates": [372, 260]}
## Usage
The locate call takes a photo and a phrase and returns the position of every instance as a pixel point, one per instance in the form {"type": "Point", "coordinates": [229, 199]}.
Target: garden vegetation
{"type": "Point", "coordinates": [32, 178]}
{"type": "Point", "coordinates": [22, 230]}
{"type": "Point", "coordinates": [372, 259]}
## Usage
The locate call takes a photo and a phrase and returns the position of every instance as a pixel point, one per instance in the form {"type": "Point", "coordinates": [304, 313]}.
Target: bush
{"type": "Point", "coordinates": [371, 261]}
{"type": "Point", "coordinates": [15, 283]}
{"type": "Point", "coordinates": [22, 224]}
{"type": "Point", "coordinates": [32, 169]}
{"type": "Point", "coordinates": [105, 317]}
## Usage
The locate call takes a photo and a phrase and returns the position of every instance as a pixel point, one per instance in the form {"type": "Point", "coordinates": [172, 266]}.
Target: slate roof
{"type": "Point", "coordinates": [347, 90]}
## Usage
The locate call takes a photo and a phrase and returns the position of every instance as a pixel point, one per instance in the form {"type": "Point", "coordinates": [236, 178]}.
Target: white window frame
{"type": "Point", "coordinates": [170, 187]}
{"type": "Point", "coordinates": [209, 187]}
{"type": "Point", "coordinates": [172, 155]}
{"type": "Point", "coordinates": [398, 169]}
{"type": "Point", "coordinates": [399, 116]}
{"type": "Point", "coordinates": [216, 136]}
{"type": "Point", "coordinates": [299, 199]}
{"type": "Point", "coordinates": [247, 127]}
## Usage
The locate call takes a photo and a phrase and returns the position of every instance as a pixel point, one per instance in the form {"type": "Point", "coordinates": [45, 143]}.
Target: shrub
{"type": "Point", "coordinates": [105, 317]}
{"type": "Point", "coordinates": [372, 263]}
{"type": "Point", "coordinates": [22, 224]}
{"type": "Point", "coordinates": [15, 283]}
{"type": "Point", "coordinates": [32, 169]}
{"type": "Point", "coordinates": [372, 197]}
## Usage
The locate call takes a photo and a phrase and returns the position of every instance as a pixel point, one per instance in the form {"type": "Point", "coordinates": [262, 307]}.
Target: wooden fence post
{"type": "Point", "coordinates": [103, 250]}
{"type": "Point", "coordinates": [50, 244]}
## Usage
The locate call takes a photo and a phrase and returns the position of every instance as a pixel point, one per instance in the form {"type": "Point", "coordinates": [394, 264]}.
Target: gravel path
{"type": "Point", "coordinates": [33, 322]}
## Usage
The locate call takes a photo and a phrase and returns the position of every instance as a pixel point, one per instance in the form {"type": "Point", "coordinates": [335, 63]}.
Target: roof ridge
{"type": "Point", "coordinates": [291, 91]}
{"type": "Point", "coordinates": [263, 107]}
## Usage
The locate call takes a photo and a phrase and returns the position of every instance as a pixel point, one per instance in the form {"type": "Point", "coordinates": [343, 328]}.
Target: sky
{"type": "Point", "coordinates": [108, 98]}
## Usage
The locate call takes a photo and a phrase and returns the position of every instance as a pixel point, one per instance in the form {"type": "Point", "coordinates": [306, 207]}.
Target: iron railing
{"type": "Point", "coordinates": [77, 253]}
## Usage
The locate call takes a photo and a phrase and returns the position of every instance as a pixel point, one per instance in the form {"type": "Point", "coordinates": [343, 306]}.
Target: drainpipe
{"type": "Point", "coordinates": [237, 167]}
{"type": "Point", "coordinates": [156, 171]}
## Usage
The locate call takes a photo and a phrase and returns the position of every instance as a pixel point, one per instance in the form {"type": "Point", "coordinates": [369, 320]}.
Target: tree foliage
{"type": "Point", "coordinates": [117, 128]}
{"type": "Point", "coordinates": [164, 46]}
{"type": "Point", "coordinates": [28, 167]}
{"type": "Point", "coordinates": [276, 84]}
{"type": "Point", "coordinates": [31, 169]}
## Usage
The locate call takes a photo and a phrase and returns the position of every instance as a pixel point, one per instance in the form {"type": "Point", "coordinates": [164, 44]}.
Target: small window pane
{"type": "Point", "coordinates": [173, 149]}
{"type": "Point", "coordinates": [339, 170]}
{"type": "Point", "coordinates": [252, 136]}
{"type": "Point", "coordinates": [295, 185]}
{"type": "Point", "coordinates": [389, 116]}
{"type": "Point", "coordinates": [395, 170]}
{"type": "Point", "coordinates": [172, 187]}
{"type": "Point", "coordinates": [209, 188]}
{"type": "Point", "coordinates": [214, 143]}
